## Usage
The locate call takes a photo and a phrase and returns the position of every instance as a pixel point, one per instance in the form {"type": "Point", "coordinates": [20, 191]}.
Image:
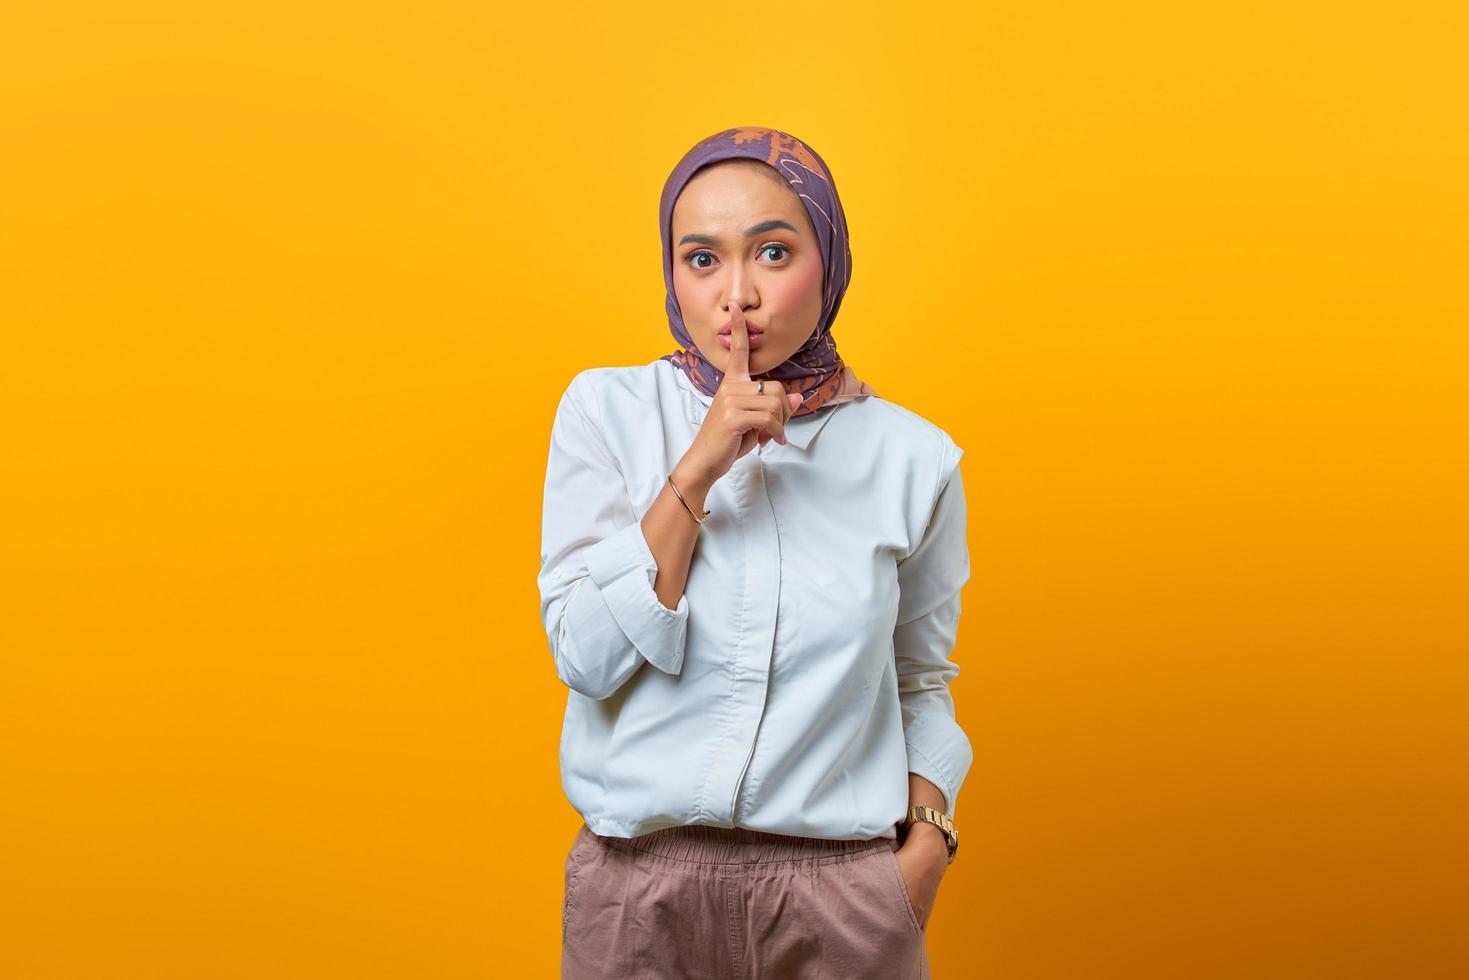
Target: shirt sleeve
{"type": "Point", "coordinates": [601, 615]}
{"type": "Point", "coordinates": [930, 579]}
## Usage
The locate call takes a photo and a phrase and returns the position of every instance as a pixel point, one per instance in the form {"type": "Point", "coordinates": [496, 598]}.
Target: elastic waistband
{"type": "Point", "coordinates": [704, 844]}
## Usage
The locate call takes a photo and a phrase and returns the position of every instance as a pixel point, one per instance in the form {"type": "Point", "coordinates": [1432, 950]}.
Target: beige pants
{"type": "Point", "coordinates": [708, 903]}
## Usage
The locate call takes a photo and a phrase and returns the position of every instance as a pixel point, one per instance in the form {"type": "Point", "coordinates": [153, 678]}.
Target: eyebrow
{"type": "Point", "coordinates": [759, 229]}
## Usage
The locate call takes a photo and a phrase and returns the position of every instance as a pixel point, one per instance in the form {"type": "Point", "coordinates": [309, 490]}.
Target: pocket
{"type": "Point", "coordinates": [573, 868]}
{"type": "Point", "coordinates": [892, 861]}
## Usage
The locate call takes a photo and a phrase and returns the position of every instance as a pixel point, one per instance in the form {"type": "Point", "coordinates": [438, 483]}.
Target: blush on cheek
{"type": "Point", "coordinates": [810, 278]}
{"type": "Point", "coordinates": [689, 297]}
{"type": "Point", "coordinates": [802, 290]}
{"type": "Point", "coordinates": [805, 279]}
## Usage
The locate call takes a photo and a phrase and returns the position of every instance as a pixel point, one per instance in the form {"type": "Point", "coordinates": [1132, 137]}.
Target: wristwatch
{"type": "Point", "coordinates": [940, 820]}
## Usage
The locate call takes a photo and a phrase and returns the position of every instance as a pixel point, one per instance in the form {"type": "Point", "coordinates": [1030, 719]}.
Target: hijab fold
{"type": "Point", "coordinates": [816, 370]}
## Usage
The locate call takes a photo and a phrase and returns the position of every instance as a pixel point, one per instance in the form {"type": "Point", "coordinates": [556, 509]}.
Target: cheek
{"type": "Point", "coordinates": [687, 292]}
{"type": "Point", "coordinates": [801, 291]}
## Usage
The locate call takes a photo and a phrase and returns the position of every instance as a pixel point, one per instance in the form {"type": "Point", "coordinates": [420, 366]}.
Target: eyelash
{"type": "Point", "coordinates": [689, 259]}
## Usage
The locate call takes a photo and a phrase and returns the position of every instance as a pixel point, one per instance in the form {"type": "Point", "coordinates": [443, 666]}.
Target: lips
{"type": "Point", "coordinates": [728, 329]}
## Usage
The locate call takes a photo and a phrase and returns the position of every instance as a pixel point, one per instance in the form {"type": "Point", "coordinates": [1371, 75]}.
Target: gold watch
{"type": "Point", "coordinates": [938, 819]}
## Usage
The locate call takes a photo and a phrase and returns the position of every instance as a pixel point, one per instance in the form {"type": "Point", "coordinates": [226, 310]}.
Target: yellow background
{"type": "Point", "coordinates": [288, 293]}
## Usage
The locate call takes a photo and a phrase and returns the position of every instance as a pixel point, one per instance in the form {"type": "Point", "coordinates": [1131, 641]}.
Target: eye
{"type": "Point", "coordinates": [693, 257]}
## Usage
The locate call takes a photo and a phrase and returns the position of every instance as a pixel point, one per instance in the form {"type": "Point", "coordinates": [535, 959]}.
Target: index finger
{"type": "Point", "coordinates": [739, 346]}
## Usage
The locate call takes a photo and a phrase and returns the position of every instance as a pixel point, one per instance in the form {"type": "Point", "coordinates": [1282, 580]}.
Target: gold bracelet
{"type": "Point", "coordinates": [685, 503]}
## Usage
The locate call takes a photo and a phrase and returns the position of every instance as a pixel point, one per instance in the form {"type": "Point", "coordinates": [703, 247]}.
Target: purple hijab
{"type": "Point", "coordinates": [816, 370]}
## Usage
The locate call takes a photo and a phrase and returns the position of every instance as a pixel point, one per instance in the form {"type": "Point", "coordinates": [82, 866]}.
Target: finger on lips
{"type": "Point", "coordinates": [739, 345]}
{"type": "Point", "coordinates": [739, 368]}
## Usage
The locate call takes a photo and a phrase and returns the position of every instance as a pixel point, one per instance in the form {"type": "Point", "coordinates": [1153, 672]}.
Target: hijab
{"type": "Point", "coordinates": [816, 370]}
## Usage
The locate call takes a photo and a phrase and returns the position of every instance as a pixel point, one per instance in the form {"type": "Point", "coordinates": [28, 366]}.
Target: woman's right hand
{"type": "Point", "coordinates": [739, 419]}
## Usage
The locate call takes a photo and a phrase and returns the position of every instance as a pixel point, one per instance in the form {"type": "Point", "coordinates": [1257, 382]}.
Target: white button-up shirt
{"type": "Point", "coordinates": [805, 671]}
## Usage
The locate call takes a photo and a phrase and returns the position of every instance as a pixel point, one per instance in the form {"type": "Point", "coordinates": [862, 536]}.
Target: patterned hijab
{"type": "Point", "coordinates": [816, 370]}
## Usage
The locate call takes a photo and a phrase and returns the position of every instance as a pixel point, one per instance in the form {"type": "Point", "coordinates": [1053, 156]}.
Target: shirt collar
{"type": "Point", "coordinates": [800, 429]}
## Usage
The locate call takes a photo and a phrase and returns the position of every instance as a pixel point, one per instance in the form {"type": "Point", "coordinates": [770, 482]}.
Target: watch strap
{"type": "Point", "coordinates": [939, 819]}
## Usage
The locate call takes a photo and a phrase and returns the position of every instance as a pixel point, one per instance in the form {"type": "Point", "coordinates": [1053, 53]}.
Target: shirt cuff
{"type": "Point", "coordinates": [624, 570]}
{"type": "Point", "coordinates": [939, 751]}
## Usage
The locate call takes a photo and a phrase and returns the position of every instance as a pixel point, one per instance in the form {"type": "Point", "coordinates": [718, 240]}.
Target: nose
{"type": "Point", "coordinates": [741, 289]}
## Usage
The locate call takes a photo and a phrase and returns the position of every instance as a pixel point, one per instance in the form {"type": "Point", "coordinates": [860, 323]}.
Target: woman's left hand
{"type": "Point", "coordinates": [923, 859]}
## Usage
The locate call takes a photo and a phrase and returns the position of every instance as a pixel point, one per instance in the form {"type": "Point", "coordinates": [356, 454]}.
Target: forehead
{"type": "Point", "coordinates": [732, 192]}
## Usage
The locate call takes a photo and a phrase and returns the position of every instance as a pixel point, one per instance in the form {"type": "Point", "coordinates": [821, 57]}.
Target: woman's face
{"type": "Point", "coordinates": [741, 236]}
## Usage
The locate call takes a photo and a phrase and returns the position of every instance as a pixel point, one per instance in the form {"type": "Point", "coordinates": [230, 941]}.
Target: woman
{"type": "Point", "coordinates": [750, 576]}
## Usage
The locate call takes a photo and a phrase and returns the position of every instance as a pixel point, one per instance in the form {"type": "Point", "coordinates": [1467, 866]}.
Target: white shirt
{"type": "Point", "coordinates": [805, 671]}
